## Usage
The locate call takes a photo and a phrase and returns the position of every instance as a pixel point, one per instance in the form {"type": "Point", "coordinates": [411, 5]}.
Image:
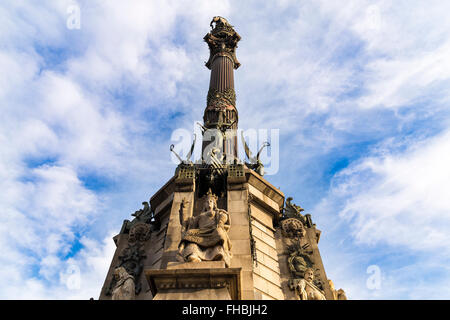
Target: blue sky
{"type": "Point", "coordinates": [358, 90]}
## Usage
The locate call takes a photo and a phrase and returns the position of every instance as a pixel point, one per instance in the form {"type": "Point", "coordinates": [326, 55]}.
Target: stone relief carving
{"type": "Point", "coordinates": [301, 266]}
{"type": "Point", "coordinates": [141, 215]}
{"type": "Point", "coordinates": [305, 288]}
{"type": "Point", "coordinates": [132, 256]}
{"type": "Point", "coordinates": [298, 262]}
{"type": "Point", "coordinates": [293, 228]}
{"type": "Point", "coordinates": [205, 237]}
{"type": "Point", "coordinates": [139, 233]}
{"type": "Point", "coordinates": [219, 100]}
{"type": "Point", "coordinates": [292, 210]}
{"type": "Point", "coordinates": [307, 284]}
{"type": "Point", "coordinates": [124, 288]}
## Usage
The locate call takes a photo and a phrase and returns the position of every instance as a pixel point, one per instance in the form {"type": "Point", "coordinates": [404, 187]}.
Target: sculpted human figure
{"type": "Point", "coordinates": [297, 264]}
{"type": "Point", "coordinates": [306, 289]}
{"type": "Point", "coordinates": [341, 294]}
{"type": "Point", "coordinates": [337, 294]}
{"type": "Point", "coordinates": [205, 237]}
{"type": "Point", "coordinates": [124, 287]}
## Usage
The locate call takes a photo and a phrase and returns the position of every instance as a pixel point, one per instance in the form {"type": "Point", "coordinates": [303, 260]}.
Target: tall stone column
{"type": "Point", "coordinates": [220, 115]}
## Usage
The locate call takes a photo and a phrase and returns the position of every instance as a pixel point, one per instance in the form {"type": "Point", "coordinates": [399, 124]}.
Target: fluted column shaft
{"type": "Point", "coordinates": [220, 112]}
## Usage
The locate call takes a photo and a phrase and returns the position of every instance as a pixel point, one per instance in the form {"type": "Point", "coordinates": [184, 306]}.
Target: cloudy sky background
{"type": "Point", "coordinates": [359, 91]}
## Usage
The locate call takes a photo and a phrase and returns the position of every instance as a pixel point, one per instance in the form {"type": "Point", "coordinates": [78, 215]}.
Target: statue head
{"type": "Point", "coordinates": [309, 275]}
{"type": "Point", "coordinates": [120, 273]}
{"type": "Point", "coordinates": [210, 202]}
{"type": "Point", "coordinates": [299, 262]}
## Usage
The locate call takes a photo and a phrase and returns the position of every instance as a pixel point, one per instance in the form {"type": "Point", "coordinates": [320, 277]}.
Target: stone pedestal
{"type": "Point", "coordinates": [208, 280]}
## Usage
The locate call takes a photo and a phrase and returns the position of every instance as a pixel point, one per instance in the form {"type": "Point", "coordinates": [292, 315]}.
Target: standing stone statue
{"type": "Point", "coordinates": [306, 289]}
{"type": "Point", "coordinates": [124, 287]}
{"type": "Point", "coordinates": [205, 237]}
{"type": "Point", "coordinates": [337, 294]}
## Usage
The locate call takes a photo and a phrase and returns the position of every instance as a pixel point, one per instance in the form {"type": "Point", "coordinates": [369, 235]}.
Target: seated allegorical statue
{"type": "Point", "coordinates": [124, 288]}
{"type": "Point", "coordinates": [204, 237]}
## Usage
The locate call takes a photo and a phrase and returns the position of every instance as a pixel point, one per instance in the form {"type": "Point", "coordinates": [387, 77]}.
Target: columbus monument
{"type": "Point", "coordinates": [217, 229]}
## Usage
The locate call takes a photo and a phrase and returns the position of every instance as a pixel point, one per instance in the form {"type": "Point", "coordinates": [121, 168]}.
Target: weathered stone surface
{"type": "Point", "coordinates": [193, 294]}
{"type": "Point", "coordinates": [202, 275]}
{"type": "Point", "coordinates": [205, 236]}
{"type": "Point", "coordinates": [124, 288]}
{"type": "Point", "coordinates": [305, 288]}
{"type": "Point", "coordinates": [196, 265]}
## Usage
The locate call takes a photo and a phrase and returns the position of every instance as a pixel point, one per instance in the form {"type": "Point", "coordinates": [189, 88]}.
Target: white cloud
{"type": "Point", "coordinates": [391, 209]}
{"type": "Point", "coordinates": [405, 193]}
{"type": "Point", "coordinates": [80, 277]}
{"type": "Point", "coordinates": [39, 217]}
{"type": "Point", "coordinates": [40, 212]}
{"type": "Point", "coordinates": [93, 263]}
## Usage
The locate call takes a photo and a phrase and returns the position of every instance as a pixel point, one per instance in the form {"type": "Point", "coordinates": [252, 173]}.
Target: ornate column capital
{"type": "Point", "coordinates": [222, 41]}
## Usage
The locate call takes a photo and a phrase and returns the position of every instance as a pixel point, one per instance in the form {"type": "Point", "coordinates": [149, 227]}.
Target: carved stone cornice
{"type": "Point", "coordinates": [195, 278]}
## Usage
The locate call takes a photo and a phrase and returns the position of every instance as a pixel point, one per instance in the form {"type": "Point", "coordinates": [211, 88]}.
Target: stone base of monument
{"type": "Point", "coordinates": [206, 280]}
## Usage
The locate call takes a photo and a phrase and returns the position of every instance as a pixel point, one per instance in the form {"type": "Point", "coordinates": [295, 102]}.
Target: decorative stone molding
{"type": "Point", "coordinates": [250, 227]}
{"type": "Point", "coordinates": [236, 174]}
{"type": "Point", "coordinates": [185, 180]}
{"type": "Point", "coordinates": [200, 275]}
{"type": "Point", "coordinates": [292, 228]}
{"type": "Point", "coordinates": [139, 233]}
{"type": "Point", "coordinates": [219, 100]}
